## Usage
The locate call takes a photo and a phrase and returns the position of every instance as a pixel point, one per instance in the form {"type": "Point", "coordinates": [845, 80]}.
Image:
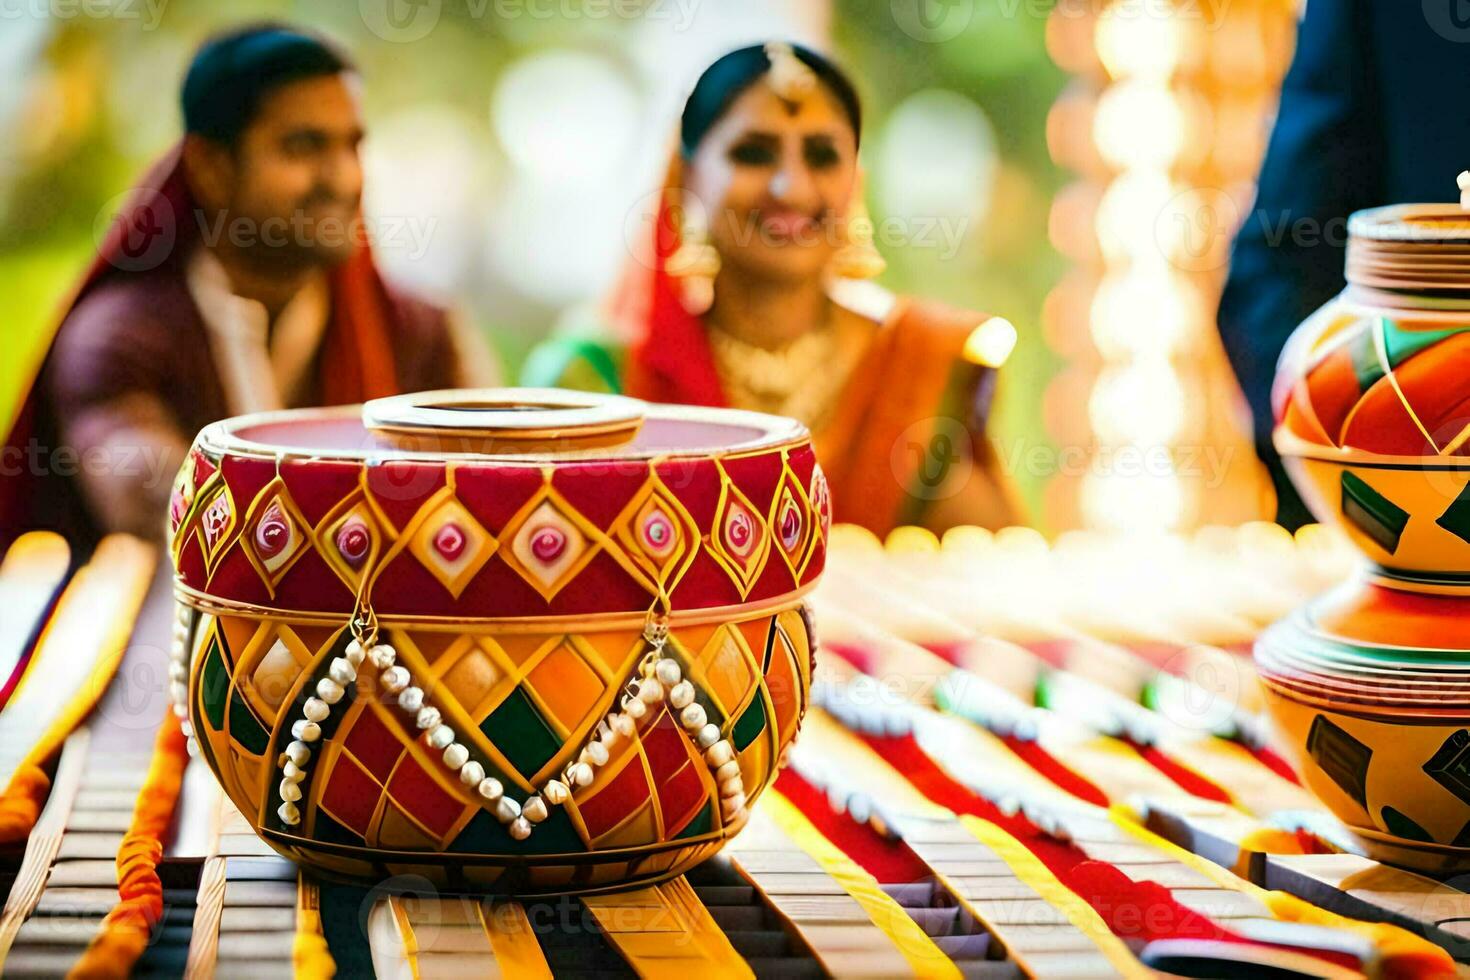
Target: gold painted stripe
{"type": "Point", "coordinates": [1380, 348]}
{"type": "Point", "coordinates": [633, 619]}
{"type": "Point", "coordinates": [921, 952]}
{"type": "Point", "coordinates": [1456, 442]}
{"type": "Point", "coordinates": [1029, 870]}
{"type": "Point", "coordinates": [665, 933]}
{"type": "Point", "coordinates": [407, 934]}
{"type": "Point", "coordinates": [517, 951]}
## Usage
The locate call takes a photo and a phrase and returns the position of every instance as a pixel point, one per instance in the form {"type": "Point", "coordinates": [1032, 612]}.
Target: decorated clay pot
{"type": "Point", "coordinates": [530, 641]}
{"type": "Point", "coordinates": [1370, 685]}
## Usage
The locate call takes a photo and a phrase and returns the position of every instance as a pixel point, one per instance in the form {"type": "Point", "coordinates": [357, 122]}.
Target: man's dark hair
{"type": "Point", "coordinates": [233, 73]}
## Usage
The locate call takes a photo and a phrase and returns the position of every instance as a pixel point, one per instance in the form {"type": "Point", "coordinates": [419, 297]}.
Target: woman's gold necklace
{"type": "Point", "coordinates": [800, 380]}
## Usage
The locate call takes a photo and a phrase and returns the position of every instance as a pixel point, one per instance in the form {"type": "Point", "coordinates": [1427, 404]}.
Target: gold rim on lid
{"type": "Point", "coordinates": [505, 419]}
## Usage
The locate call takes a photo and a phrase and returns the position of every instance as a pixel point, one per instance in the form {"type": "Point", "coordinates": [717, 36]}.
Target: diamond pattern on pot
{"type": "Point", "coordinates": [821, 498]}
{"type": "Point", "coordinates": [658, 534]}
{"type": "Point", "coordinates": [181, 496]}
{"type": "Point", "coordinates": [451, 544]}
{"type": "Point", "coordinates": [612, 803]}
{"type": "Point", "coordinates": [522, 734]}
{"type": "Point", "coordinates": [216, 522]}
{"type": "Point", "coordinates": [470, 676]}
{"type": "Point", "coordinates": [350, 538]}
{"type": "Point", "coordinates": [275, 534]}
{"type": "Point", "coordinates": [565, 687]}
{"type": "Point", "coordinates": [791, 524]}
{"type": "Point", "coordinates": [677, 775]}
{"type": "Point", "coordinates": [549, 542]}
{"type": "Point", "coordinates": [654, 786]}
{"type": "Point", "coordinates": [278, 662]}
{"type": "Point", "coordinates": [739, 539]}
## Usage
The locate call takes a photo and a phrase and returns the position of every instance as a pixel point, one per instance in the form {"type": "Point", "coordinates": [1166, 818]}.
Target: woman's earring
{"type": "Point", "coordinates": [858, 258]}
{"type": "Point", "coordinates": [695, 263]}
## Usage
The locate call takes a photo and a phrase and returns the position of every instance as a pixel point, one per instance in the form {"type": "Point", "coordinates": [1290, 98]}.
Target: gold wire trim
{"type": "Point", "coordinates": [632, 619]}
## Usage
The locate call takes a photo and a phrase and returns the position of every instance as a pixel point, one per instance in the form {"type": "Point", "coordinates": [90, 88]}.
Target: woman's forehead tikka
{"type": "Point", "coordinates": [789, 77]}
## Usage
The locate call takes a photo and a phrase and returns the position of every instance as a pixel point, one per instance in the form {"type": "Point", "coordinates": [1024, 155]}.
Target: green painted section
{"type": "Point", "coordinates": [214, 687]}
{"type": "Point", "coordinates": [1400, 344]}
{"type": "Point", "coordinates": [518, 730]}
{"type": "Point", "coordinates": [750, 724]}
{"type": "Point", "coordinates": [1400, 825]}
{"type": "Point", "coordinates": [1298, 637]}
{"type": "Point", "coordinates": [1373, 513]}
{"type": "Point", "coordinates": [486, 835]}
{"type": "Point", "coordinates": [1456, 518]}
{"type": "Point", "coordinates": [246, 729]}
{"type": "Point", "coordinates": [1366, 365]}
{"type": "Point", "coordinates": [700, 825]}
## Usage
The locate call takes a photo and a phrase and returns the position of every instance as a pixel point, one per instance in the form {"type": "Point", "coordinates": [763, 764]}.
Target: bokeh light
{"type": "Point", "coordinates": [565, 116]}
{"type": "Point", "coordinates": [936, 159]}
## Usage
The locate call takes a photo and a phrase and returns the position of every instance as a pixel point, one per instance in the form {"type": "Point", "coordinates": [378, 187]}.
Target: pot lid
{"type": "Point", "coordinates": [1422, 248]}
{"type": "Point", "coordinates": [532, 425]}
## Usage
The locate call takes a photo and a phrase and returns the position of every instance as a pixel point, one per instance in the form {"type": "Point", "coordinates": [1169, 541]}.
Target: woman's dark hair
{"type": "Point", "coordinates": [724, 81]}
{"type": "Point", "coordinates": [233, 73]}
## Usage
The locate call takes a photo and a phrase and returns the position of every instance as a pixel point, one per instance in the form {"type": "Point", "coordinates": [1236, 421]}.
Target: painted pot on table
{"type": "Point", "coordinates": [531, 641]}
{"type": "Point", "coordinates": [1370, 685]}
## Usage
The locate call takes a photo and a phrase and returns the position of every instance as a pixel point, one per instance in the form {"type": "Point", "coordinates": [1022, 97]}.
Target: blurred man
{"type": "Point", "coordinates": [237, 279]}
{"type": "Point", "coordinates": [1370, 115]}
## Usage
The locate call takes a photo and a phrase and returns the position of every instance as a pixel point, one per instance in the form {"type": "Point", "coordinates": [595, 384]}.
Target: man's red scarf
{"type": "Point", "coordinates": [157, 228]}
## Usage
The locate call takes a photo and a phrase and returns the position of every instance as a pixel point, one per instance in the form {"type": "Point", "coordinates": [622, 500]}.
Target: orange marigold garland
{"type": "Point", "coordinates": [125, 932]}
{"type": "Point", "coordinates": [21, 803]}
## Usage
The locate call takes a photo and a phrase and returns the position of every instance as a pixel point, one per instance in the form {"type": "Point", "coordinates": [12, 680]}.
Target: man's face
{"type": "Point", "coordinates": [293, 180]}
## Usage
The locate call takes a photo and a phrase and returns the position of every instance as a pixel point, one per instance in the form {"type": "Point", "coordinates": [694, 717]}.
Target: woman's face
{"type": "Point", "coordinates": [776, 179]}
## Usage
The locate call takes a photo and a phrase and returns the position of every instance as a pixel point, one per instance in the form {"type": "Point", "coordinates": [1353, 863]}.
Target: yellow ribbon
{"type": "Point", "coordinates": [921, 952]}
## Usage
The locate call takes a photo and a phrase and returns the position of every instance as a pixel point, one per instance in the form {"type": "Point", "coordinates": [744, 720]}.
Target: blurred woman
{"type": "Point", "coordinates": [749, 296]}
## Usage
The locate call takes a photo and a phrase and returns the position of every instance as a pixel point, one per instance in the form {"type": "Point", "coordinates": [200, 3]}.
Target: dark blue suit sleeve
{"type": "Point", "coordinates": [1324, 161]}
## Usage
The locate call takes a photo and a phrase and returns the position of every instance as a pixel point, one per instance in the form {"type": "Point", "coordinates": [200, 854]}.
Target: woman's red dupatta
{"type": "Point", "coordinates": [671, 361]}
